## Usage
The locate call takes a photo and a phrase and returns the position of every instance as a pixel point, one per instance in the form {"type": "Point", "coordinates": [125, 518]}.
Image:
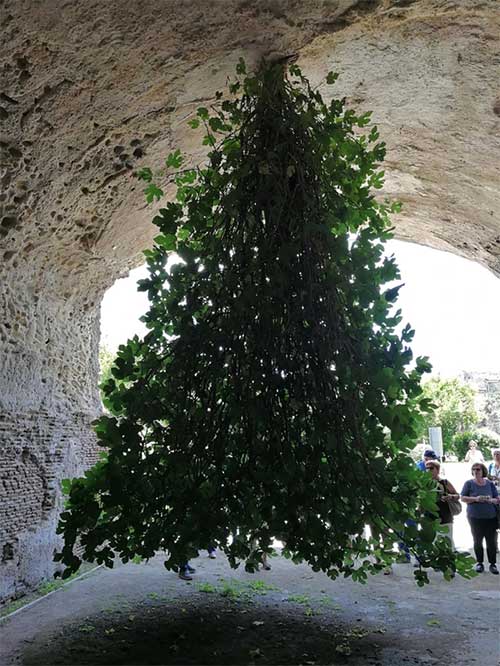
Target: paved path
{"type": "Point", "coordinates": [141, 614]}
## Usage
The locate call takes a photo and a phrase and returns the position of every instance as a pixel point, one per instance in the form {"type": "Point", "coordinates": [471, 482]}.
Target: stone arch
{"type": "Point", "coordinates": [90, 91]}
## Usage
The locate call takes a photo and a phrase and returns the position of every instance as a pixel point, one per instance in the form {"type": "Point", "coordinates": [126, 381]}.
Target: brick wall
{"type": "Point", "coordinates": [37, 451]}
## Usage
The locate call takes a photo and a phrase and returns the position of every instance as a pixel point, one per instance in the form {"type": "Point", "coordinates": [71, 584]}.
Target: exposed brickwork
{"type": "Point", "coordinates": [48, 398]}
{"type": "Point", "coordinates": [38, 450]}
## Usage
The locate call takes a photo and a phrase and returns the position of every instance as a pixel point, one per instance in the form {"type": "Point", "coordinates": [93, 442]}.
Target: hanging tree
{"type": "Point", "coordinates": [271, 395]}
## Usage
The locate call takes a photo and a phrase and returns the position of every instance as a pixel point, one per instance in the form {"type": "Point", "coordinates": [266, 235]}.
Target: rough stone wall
{"type": "Point", "coordinates": [48, 398]}
{"type": "Point", "coordinates": [91, 90]}
{"type": "Point", "coordinates": [38, 450]}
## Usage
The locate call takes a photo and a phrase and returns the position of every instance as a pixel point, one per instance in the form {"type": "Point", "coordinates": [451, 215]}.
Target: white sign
{"type": "Point", "coordinates": [436, 440]}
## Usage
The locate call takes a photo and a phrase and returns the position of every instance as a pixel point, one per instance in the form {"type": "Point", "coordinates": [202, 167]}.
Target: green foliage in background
{"type": "Point", "coordinates": [106, 359]}
{"type": "Point", "coordinates": [271, 396]}
{"type": "Point", "coordinates": [454, 409]}
{"type": "Point", "coordinates": [485, 443]}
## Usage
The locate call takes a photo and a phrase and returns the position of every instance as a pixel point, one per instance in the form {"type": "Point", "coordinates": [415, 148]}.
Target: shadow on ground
{"type": "Point", "coordinates": [206, 631]}
{"type": "Point", "coordinates": [142, 615]}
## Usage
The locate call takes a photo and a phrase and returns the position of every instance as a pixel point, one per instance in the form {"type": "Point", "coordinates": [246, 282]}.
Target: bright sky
{"type": "Point", "coordinates": [452, 303]}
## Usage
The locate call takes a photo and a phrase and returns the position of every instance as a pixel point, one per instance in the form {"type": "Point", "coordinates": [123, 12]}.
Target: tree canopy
{"type": "Point", "coordinates": [272, 396]}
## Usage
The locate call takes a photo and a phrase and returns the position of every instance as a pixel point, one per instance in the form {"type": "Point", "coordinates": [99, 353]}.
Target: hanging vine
{"type": "Point", "coordinates": [271, 396]}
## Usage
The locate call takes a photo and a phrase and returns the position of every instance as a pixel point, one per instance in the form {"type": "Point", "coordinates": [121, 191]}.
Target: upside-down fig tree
{"type": "Point", "coordinates": [272, 395]}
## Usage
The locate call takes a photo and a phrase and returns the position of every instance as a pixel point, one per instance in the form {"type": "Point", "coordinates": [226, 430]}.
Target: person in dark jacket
{"type": "Point", "coordinates": [446, 493]}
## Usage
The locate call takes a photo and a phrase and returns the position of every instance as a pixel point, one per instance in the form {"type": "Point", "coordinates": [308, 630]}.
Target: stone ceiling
{"type": "Point", "coordinates": [91, 90]}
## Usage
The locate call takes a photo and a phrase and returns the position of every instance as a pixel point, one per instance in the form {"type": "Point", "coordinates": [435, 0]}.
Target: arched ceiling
{"type": "Point", "coordinates": [91, 90]}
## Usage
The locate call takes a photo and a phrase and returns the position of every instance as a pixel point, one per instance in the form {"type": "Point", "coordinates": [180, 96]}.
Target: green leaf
{"type": "Point", "coordinates": [153, 192]}
{"type": "Point", "coordinates": [202, 113]}
{"type": "Point", "coordinates": [167, 242]}
{"type": "Point", "coordinates": [174, 160]}
{"type": "Point", "coordinates": [241, 67]}
{"type": "Point", "coordinates": [145, 174]}
{"type": "Point", "coordinates": [364, 119]}
{"type": "Point", "coordinates": [66, 486]}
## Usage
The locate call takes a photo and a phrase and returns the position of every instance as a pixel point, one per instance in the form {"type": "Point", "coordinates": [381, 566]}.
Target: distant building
{"type": "Point", "coordinates": [487, 387]}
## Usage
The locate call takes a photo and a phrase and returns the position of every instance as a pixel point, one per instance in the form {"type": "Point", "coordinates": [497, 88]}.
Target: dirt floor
{"type": "Point", "coordinates": [142, 614]}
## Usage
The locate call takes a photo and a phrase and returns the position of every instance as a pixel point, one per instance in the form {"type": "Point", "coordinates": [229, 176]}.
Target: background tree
{"type": "Point", "coordinates": [454, 408]}
{"type": "Point", "coordinates": [270, 397]}
{"type": "Point", "coordinates": [486, 441]}
{"type": "Point", "coordinates": [106, 359]}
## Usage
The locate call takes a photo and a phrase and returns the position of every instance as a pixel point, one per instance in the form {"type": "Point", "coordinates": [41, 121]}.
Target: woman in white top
{"type": "Point", "coordinates": [474, 455]}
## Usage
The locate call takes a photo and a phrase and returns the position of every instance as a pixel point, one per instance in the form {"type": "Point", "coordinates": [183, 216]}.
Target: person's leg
{"type": "Point", "coordinates": [376, 535]}
{"type": "Point", "coordinates": [185, 571]}
{"type": "Point", "coordinates": [490, 530]}
{"type": "Point", "coordinates": [477, 536]}
{"type": "Point", "coordinates": [211, 552]}
{"type": "Point", "coordinates": [403, 547]}
{"type": "Point", "coordinates": [449, 533]}
{"type": "Point", "coordinates": [265, 564]}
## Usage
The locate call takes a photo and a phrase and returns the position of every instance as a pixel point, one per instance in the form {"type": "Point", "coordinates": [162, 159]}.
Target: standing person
{"type": "Point", "coordinates": [494, 468]}
{"type": "Point", "coordinates": [481, 497]}
{"type": "Point", "coordinates": [446, 493]}
{"type": "Point", "coordinates": [429, 454]}
{"type": "Point", "coordinates": [263, 560]}
{"type": "Point", "coordinates": [474, 455]}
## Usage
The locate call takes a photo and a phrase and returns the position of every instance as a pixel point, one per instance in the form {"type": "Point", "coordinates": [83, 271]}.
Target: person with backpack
{"type": "Point", "coordinates": [481, 496]}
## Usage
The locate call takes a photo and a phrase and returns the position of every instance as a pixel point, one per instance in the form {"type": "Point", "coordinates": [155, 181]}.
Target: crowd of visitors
{"type": "Point", "coordinates": [480, 494]}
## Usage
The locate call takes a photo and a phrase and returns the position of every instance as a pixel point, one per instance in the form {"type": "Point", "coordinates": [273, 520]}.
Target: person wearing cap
{"type": "Point", "coordinates": [429, 454]}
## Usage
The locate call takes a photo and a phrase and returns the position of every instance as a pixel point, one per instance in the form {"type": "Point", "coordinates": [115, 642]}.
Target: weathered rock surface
{"type": "Point", "coordinates": [91, 90]}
